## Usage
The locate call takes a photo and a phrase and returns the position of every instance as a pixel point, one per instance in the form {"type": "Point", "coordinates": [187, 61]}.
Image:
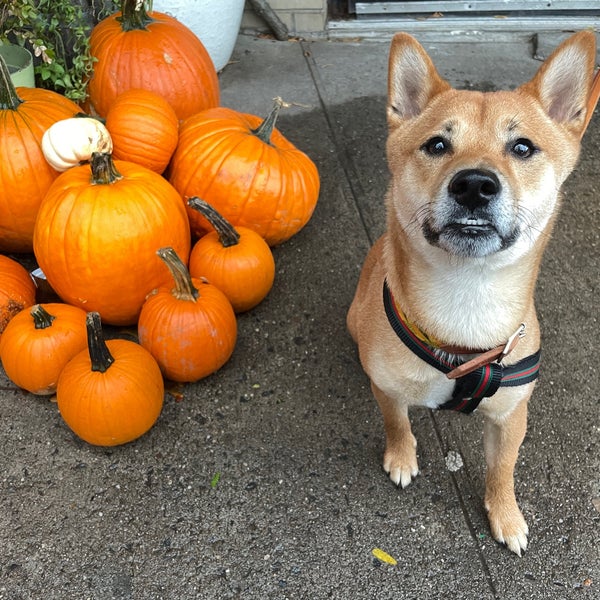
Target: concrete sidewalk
{"type": "Point", "coordinates": [265, 480]}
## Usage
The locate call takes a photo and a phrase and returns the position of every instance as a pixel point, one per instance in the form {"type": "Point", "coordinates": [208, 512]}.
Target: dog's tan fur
{"type": "Point", "coordinates": [472, 295]}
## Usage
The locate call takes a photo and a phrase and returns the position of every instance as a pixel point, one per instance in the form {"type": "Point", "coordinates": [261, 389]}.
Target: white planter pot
{"type": "Point", "coordinates": [215, 22]}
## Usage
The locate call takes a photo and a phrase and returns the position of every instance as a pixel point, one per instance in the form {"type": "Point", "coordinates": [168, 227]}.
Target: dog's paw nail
{"type": "Point", "coordinates": [402, 477]}
{"type": "Point", "coordinates": [517, 544]}
{"type": "Point", "coordinates": [405, 479]}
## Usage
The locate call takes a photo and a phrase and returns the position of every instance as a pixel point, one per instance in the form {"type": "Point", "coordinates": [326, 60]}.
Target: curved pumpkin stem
{"type": "Point", "coordinates": [184, 288]}
{"type": "Point", "coordinates": [265, 129]}
{"type": "Point", "coordinates": [100, 355]}
{"type": "Point", "coordinates": [103, 169]}
{"type": "Point", "coordinates": [41, 317]}
{"type": "Point", "coordinates": [133, 15]}
{"type": "Point", "coordinates": [228, 236]}
{"type": "Point", "coordinates": [8, 94]}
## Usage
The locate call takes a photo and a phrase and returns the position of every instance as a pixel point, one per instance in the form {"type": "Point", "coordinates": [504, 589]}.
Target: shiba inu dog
{"type": "Point", "coordinates": [444, 313]}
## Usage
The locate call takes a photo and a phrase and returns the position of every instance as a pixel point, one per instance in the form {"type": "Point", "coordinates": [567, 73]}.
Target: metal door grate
{"type": "Point", "coordinates": [412, 8]}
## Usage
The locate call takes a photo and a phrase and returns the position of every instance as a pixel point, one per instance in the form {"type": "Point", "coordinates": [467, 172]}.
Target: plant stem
{"type": "Point", "coordinates": [100, 355]}
{"type": "Point", "coordinates": [104, 171]}
{"type": "Point", "coordinates": [184, 288]}
{"type": "Point", "coordinates": [265, 129]}
{"type": "Point", "coordinates": [133, 15]}
{"type": "Point", "coordinates": [8, 94]}
{"type": "Point", "coordinates": [41, 317]}
{"type": "Point", "coordinates": [228, 236]}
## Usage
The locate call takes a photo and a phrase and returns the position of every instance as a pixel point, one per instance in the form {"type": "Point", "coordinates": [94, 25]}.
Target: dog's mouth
{"type": "Point", "coordinates": [469, 237]}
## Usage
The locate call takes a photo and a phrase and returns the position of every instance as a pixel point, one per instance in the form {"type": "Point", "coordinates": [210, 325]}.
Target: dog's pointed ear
{"type": "Point", "coordinates": [412, 78]}
{"type": "Point", "coordinates": [563, 83]}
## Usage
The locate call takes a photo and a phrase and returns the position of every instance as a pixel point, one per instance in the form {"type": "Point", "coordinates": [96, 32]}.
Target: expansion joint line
{"type": "Point", "coordinates": [352, 178]}
{"type": "Point", "coordinates": [463, 506]}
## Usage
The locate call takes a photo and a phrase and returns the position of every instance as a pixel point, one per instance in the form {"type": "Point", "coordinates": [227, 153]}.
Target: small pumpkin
{"type": "Point", "coordinates": [97, 233]}
{"type": "Point", "coordinates": [111, 393]}
{"type": "Point", "coordinates": [17, 290]}
{"type": "Point", "coordinates": [237, 260]}
{"type": "Point", "coordinates": [247, 170]}
{"type": "Point", "coordinates": [25, 175]}
{"type": "Point", "coordinates": [69, 142]}
{"type": "Point", "coordinates": [144, 129]}
{"type": "Point", "coordinates": [39, 342]}
{"type": "Point", "coordinates": [153, 51]}
{"type": "Point", "coordinates": [190, 330]}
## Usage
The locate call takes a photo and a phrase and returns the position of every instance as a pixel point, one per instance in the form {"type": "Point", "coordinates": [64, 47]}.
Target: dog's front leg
{"type": "Point", "coordinates": [400, 458]}
{"type": "Point", "coordinates": [502, 439]}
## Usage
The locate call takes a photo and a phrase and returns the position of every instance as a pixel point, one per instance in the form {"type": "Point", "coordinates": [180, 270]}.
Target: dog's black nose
{"type": "Point", "coordinates": [474, 188]}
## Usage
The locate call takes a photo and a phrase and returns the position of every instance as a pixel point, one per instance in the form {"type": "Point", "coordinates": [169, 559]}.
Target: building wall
{"type": "Point", "coordinates": [301, 17]}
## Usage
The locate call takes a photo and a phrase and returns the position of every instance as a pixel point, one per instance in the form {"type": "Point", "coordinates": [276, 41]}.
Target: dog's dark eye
{"type": "Point", "coordinates": [436, 146]}
{"type": "Point", "coordinates": [523, 148]}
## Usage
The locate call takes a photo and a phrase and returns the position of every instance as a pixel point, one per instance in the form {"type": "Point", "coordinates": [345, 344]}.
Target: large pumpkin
{"type": "Point", "coordinates": [247, 170]}
{"type": "Point", "coordinates": [97, 233]}
{"type": "Point", "coordinates": [25, 175]}
{"type": "Point", "coordinates": [155, 52]}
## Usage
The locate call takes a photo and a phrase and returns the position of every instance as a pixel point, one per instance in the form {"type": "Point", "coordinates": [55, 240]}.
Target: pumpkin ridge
{"type": "Point", "coordinates": [285, 191]}
{"type": "Point", "coordinates": [211, 177]}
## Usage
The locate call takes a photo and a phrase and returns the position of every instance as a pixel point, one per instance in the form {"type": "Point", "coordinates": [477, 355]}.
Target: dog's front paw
{"type": "Point", "coordinates": [508, 527]}
{"type": "Point", "coordinates": [400, 461]}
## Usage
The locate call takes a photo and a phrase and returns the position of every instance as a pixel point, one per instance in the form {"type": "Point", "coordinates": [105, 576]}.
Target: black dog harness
{"type": "Point", "coordinates": [471, 388]}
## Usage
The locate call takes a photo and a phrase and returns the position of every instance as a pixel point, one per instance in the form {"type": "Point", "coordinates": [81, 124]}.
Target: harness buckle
{"type": "Point", "coordinates": [512, 342]}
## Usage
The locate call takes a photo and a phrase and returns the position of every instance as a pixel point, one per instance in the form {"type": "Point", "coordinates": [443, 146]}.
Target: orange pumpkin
{"type": "Point", "coordinates": [238, 261]}
{"type": "Point", "coordinates": [155, 52]}
{"type": "Point", "coordinates": [17, 290]}
{"type": "Point", "coordinates": [25, 175]}
{"type": "Point", "coordinates": [112, 393]}
{"type": "Point", "coordinates": [97, 233]}
{"type": "Point", "coordinates": [38, 343]}
{"type": "Point", "coordinates": [144, 129]}
{"type": "Point", "coordinates": [190, 330]}
{"type": "Point", "coordinates": [247, 170]}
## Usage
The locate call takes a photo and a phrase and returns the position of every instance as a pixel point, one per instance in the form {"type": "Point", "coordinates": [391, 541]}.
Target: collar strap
{"type": "Point", "coordinates": [475, 379]}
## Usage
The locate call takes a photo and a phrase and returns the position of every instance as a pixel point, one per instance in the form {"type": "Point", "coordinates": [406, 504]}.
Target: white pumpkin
{"type": "Point", "coordinates": [69, 142]}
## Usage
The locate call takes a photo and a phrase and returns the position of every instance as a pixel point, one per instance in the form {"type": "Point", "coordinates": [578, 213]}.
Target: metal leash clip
{"type": "Point", "coordinates": [513, 340]}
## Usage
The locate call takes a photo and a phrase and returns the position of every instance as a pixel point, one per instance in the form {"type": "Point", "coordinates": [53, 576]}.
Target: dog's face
{"type": "Point", "coordinates": [478, 174]}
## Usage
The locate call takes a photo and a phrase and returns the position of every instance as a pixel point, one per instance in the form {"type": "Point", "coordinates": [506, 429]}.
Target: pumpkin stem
{"type": "Point", "coordinates": [184, 288]}
{"type": "Point", "coordinates": [8, 94]}
{"type": "Point", "coordinates": [100, 355]}
{"type": "Point", "coordinates": [265, 129]}
{"type": "Point", "coordinates": [41, 317]}
{"type": "Point", "coordinates": [103, 169]}
{"type": "Point", "coordinates": [133, 15]}
{"type": "Point", "coordinates": [228, 236]}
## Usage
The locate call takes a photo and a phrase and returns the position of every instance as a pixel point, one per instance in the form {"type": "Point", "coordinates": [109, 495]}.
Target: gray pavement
{"type": "Point", "coordinates": [289, 424]}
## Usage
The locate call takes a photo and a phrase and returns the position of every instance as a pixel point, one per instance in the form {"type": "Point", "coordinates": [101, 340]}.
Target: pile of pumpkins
{"type": "Point", "coordinates": [150, 206]}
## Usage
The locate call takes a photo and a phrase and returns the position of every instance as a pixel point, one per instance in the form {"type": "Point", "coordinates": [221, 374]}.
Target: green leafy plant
{"type": "Point", "coordinates": [57, 34]}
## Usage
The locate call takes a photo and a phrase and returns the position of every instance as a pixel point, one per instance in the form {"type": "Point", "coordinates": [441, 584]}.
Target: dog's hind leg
{"type": "Point", "coordinates": [400, 457]}
{"type": "Point", "coordinates": [502, 439]}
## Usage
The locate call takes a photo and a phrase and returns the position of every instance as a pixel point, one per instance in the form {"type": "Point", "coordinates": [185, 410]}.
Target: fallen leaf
{"type": "Point", "coordinates": [379, 554]}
